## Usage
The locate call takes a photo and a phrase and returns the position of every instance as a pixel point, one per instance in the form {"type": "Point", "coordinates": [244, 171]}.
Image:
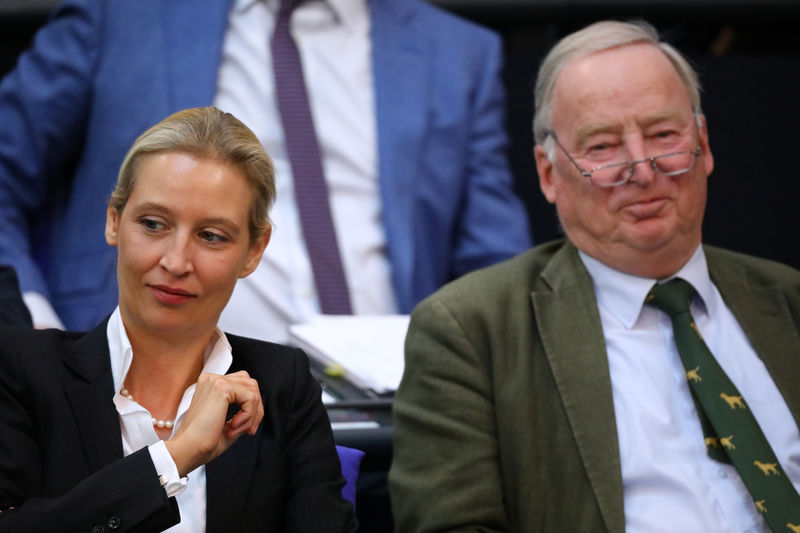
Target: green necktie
{"type": "Point", "coordinates": [728, 424]}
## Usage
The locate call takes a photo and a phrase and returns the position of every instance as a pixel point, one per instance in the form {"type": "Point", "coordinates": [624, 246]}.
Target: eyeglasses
{"type": "Point", "coordinates": [615, 174]}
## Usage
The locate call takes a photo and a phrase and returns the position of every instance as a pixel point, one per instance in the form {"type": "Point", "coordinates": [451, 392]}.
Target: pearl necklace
{"type": "Point", "coordinates": [160, 424]}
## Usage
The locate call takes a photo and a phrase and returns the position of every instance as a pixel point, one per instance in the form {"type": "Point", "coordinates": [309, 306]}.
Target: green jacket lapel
{"type": "Point", "coordinates": [763, 313]}
{"type": "Point", "coordinates": [572, 336]}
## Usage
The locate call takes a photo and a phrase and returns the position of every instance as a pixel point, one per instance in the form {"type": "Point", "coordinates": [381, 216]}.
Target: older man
{"type": "Point", "coordinates": [569, 389]}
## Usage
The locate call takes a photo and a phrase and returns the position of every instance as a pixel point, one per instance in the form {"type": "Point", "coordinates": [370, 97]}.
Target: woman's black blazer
{"type": "Point", "coordinates": [61, 461]}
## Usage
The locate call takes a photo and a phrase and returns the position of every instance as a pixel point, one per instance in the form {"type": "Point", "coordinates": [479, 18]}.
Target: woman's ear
{"type": "Point", "coordinates": [255, 252]}
{"type": "Point", "coordinates": [112, 226]}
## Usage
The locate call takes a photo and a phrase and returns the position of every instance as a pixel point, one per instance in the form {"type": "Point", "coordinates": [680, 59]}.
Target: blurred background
{"type": "Point", "coordinates": [748, 57]}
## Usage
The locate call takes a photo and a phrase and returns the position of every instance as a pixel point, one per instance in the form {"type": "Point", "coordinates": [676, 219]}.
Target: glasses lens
{"type": "Point", "coordinates": [610, 175]}
{"type": "Point", "coordinates": [674, 164]}
{"type": "Point", "coordinates": [619, 173]}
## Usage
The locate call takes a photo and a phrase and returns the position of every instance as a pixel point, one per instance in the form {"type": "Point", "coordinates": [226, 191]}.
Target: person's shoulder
{"type": "Point", "coordinates": [446, 25]}
{"type": "Point", "coordinates": [519, 275]}
{"type": "Point", "coordinates": [755, 269]}
{"type": "Point", "coordinates": [34, 349]}
{"type": "Point", "coordinates": [21, 337]}
{"type": "Point", "coordinates": [262, 357]}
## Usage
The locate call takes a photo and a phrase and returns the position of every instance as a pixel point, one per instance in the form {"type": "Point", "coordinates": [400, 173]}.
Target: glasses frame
{"type": "Point", "coordinates": [629, 164]}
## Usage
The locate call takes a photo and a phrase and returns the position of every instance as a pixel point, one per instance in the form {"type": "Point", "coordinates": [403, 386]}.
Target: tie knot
{"type": "Point", "coordinates": [287, 6]}
{"type": "Point", "coordinates": [672, 297]}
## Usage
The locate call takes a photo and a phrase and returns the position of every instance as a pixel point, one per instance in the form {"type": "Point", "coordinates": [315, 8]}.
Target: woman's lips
{"type": "Point", "coordinates": [170, 295]}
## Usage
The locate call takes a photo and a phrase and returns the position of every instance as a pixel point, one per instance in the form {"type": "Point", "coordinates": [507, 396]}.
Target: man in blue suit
{"type": "Point", "coordinates": [101, 71]}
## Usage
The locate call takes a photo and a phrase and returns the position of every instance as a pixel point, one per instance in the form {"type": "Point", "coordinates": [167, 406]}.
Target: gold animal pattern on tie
{"type": "Point", "coordinates": [767, 468]}
{"type": "Point", "coordinates": [765, 481]}
{"type": "Point", "coordinates": [732, 401]}
{"type": "Point", "coordinates": [694, 327]}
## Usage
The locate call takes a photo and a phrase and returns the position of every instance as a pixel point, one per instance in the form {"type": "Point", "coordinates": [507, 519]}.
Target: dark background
{"type": "Point", "coordinates": [748, 57]}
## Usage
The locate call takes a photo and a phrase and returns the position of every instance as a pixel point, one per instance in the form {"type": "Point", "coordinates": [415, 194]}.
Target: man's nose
{"type": "Point", "coordinates": [643, 171]}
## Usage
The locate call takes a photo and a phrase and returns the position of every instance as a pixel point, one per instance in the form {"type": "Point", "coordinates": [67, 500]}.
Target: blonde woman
{"type": "Point", "coordinates": [157, 420]}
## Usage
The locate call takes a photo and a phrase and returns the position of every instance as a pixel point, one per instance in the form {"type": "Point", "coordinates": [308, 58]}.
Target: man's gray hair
{"type": "Point", "coordinates": [597, 37]}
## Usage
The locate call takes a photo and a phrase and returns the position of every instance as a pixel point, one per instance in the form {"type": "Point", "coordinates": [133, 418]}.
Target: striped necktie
{"type": "Point", "coordinates": [302, 148]}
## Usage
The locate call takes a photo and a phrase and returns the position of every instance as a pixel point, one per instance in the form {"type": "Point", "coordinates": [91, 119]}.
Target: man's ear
{"type": "Point", "coordinates": [544, 167]}
{"type": "Point", "coordinates": [255, 252]}
{"type": "Point", "coordinates": [707, 157]}
{"type": "Point", "coordinates": [112, 226]}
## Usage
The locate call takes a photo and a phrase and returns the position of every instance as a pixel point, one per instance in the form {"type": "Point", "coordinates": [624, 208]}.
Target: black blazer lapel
{"type": "Point", "coordinates": [90, 395]}
{"type": "Point", "coordinates": [572, 336]}
{"type": "Point", "coordinates": [229, 476]}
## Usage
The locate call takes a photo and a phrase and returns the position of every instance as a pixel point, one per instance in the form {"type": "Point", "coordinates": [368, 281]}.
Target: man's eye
{"type": "Point", "coordinates": [666, 134]}
{"type": "Point", "coordinates": [599, 147]}
{"type": "Point", "coordinates": [211, 237]}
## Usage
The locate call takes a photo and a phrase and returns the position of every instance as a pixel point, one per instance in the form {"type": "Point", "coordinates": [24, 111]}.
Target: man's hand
{"type": "Point", "coordinates": [204, 433]}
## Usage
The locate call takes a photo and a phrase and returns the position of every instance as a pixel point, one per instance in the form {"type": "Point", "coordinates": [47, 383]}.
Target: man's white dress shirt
{"type": "Point", "coordinates": [137, 424]}
{"type": "Point", "coordinates": [333, 39]}
{"type": "Point", "coordinates": [670, 483]}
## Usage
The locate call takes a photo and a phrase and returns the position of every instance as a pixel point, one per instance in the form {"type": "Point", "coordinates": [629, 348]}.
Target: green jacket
{"type": "Point", "coordinates": [504, 420]}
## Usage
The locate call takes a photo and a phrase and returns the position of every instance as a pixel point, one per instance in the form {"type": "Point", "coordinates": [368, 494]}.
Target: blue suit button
{"type": "Point", "coordinates": [113, 522]}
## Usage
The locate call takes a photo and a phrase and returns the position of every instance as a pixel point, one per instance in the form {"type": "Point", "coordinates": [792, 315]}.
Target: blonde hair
{"type": "Point", "coordinates": [206, 132]}
{"type": "Point", "coordinates": [597, 37]}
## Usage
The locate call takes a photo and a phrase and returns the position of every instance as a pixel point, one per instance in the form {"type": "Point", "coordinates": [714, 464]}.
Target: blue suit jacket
{"type": "Point", "coordinates": [102, 71]}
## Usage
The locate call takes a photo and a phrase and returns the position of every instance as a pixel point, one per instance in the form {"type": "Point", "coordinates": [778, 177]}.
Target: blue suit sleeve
{"type": "Point", "coordinates": [44, 104]}
{"type": "Point", "coordinates": [493, 225]}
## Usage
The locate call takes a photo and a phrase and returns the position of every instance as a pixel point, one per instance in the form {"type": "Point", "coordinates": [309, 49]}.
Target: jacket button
{"type": "Point", "coordinates": [113, 522]}
{"type": "Point", "coordinates": [98, 529]}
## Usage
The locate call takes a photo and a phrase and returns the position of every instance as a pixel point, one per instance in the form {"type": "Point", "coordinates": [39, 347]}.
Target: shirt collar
{"type": "Point", "coordinates": [217, 358]}
{"type": "Point", "coordinates": [353, 14]}
{"type": "Point", "coordinates": [623, 294]}
{"type": "Point", "coordinates": [240, 6]}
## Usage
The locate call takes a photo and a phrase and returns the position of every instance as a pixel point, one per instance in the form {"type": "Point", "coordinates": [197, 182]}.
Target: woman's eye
{"type": "Point", "coordinates": [211, 237]}
{"type": "Point", "coordinates": [151, 225]}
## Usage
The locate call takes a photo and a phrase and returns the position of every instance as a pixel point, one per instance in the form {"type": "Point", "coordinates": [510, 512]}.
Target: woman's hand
{"type": "Point", "coordinates": [204, 433]}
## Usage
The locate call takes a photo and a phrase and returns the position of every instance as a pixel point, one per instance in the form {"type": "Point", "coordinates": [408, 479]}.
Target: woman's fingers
{"type": "Point", "coordinates": [204, 433]}
{"type": "Point", "coordinates": [251, 409]}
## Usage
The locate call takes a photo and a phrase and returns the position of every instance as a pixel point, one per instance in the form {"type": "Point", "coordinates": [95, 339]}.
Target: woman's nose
{"type": "Point", "coordinates": [177, 257]}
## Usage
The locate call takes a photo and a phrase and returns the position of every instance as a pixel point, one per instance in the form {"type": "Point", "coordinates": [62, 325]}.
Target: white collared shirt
{"type": "Point", "coordinates": [137, 426]}
{"type": "Point", "coordinates": [670, 483]}
{"type": "Point", "coordinates": [333, 39]}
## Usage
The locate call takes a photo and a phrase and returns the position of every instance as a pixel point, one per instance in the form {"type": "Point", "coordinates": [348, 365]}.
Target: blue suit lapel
{"type": "Point", "coordinates": [401, 64]}
{"type": "Point", "coordinates": [194, 33]}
